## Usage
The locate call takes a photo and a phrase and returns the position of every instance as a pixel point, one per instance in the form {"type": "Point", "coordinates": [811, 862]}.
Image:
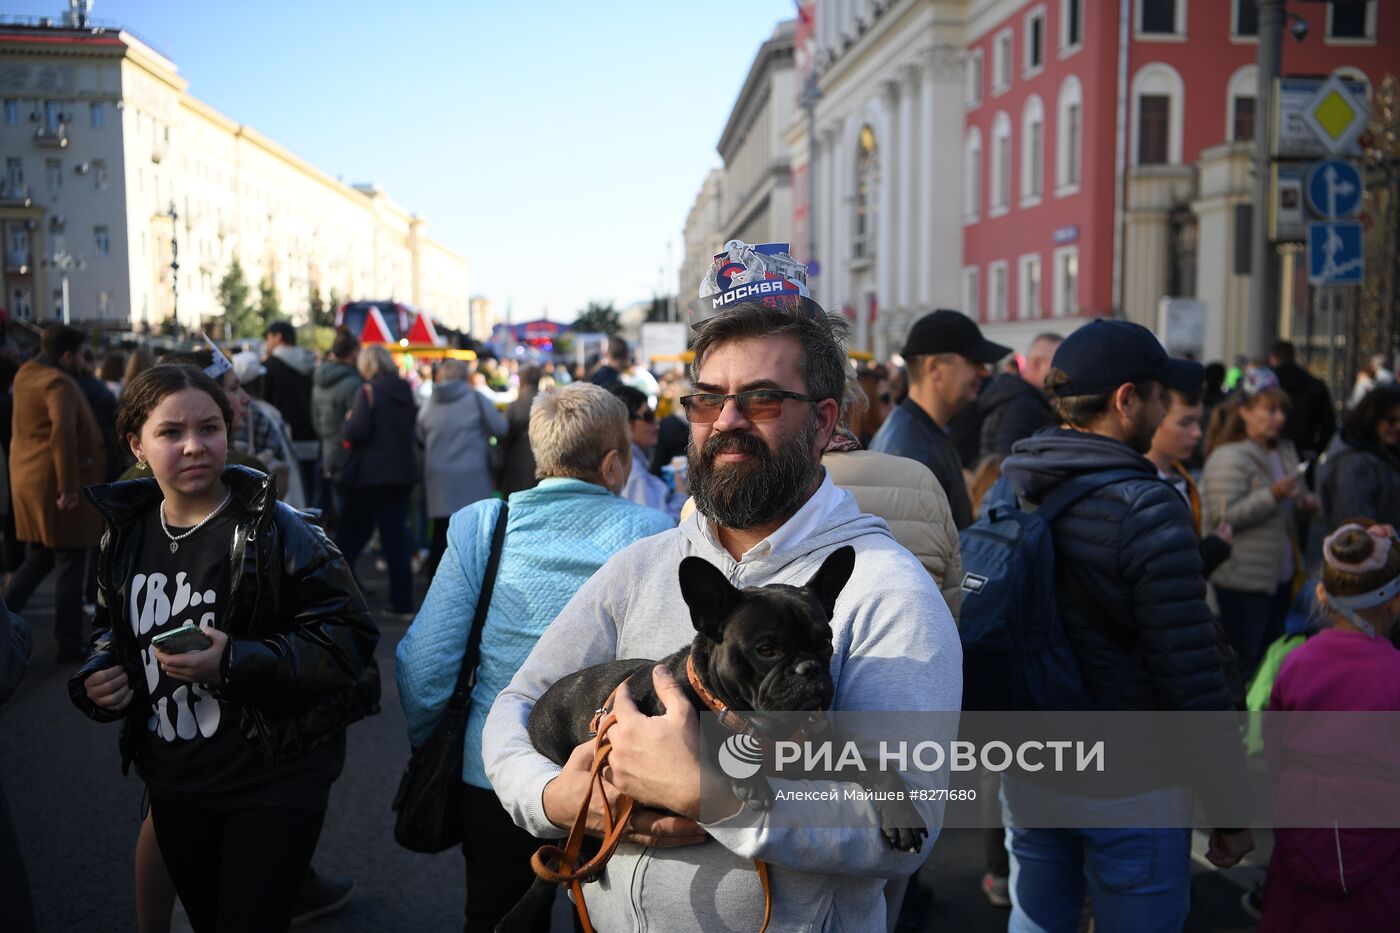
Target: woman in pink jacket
{"type": "Point", "coordinates": [1332, 877]}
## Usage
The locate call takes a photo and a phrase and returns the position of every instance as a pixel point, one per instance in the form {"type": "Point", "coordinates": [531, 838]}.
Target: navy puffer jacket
{"type": "Point", "coordinates": [1129, 567]}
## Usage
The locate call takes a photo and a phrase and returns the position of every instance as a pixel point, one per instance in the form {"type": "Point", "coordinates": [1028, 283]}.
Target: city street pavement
{"type": "Point", "coordinates": [78, 818]}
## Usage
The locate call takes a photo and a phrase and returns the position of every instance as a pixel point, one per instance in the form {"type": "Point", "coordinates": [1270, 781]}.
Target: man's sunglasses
{"type": "Point", "coordinates": [649, 416]}
{"type": "Point", "coordinates": [754, 405]}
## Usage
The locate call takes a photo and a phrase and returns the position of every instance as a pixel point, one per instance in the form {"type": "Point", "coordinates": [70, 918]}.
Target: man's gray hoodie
{"type": "Point", "coordinates": [896, 648]}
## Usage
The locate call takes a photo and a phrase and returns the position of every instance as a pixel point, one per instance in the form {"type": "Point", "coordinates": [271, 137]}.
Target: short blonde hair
{"type": "Point", "coordinates": [374, 360]}
{"type": "Point", "coordinates": [573, 428]}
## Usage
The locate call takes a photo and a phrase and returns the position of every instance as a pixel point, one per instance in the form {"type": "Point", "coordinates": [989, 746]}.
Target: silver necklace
{"type": "Point", "coordinates": [176, 539]}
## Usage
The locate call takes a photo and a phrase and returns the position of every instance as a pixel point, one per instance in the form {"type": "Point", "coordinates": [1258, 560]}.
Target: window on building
{"type": "Point", "coordinates": [996, 291]}
{"type": "Point", "coordinates": [14, 176]}
{"type": "Point", "coordinates": [1032, 150]}
{"type": "Point", "coordinates": [972, 175]}
{"type": "Point", "coordinates": [53, 115]}
{"type": "Point", "coordinates": [53, 175]}
{"type": "Point", "coordinates": [1154, 118]}
{"type": "Point", "coordinates": [1071, 24]}
{"type": "Point", "coordinates": [1351, 20]}
{"type": "Point", "coordinates": [1068, 151]}
{"type": "Point", "coordinates": [972, 292]}
{"type": "Point", "coordinates": [1001, 164]}
{"type": "Point", "coordinates": [97, 114]}
{"type": "Point", "coordinates": [1029, 275]}
{"type": "Point", "coordinates": [17, 245]}
{"type": "Point", "coordinates": [1035, 40]}
{"type": "Point", "coordinates": [99, 174]}
{"type": "Point", "coordinates": [1066, 281]}
{"type": "Point", "coordinates": [11, 112]}
{"type": "Point", "coordinates": [1157, 94]}
{"type": "Point", "coordinates": [1001, 62]}
{"type": "Point", "coordinates": [1158, 17]}
{"type": "Point", "coordinates": [972, 91]}
{"type": "Point", "coordinates": [1246, 19]}
{"type": "Point", "coordinates": [19, 304]}
{"type": "Point", "coordinates": [104, 303]}
{"type": "Point", "coordinates": [101, 240]}
{"type": "Point", "coordinates": [1242, 119]}
{"type": "Point", "coordinates": [867, 193]}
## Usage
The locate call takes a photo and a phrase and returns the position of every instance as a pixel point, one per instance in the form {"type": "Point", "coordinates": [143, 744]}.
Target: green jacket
{"type": "Point", "coordinates": [333, 388]}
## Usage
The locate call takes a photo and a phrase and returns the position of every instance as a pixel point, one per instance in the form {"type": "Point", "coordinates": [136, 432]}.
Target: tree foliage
{"type": "Point", "coordinates": [598, 319]}
{"type": "Point", "coordinates": [240, 318]}
{"type": "Point", "coordinates": [269, 308]}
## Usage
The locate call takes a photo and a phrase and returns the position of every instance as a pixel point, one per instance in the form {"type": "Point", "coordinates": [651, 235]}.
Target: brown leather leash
{"type": "Point", "coordinates": [614, 826]}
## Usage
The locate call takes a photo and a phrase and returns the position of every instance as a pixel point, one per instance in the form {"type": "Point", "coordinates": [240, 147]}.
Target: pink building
{"type": "Point", "coordinates": [1104, 163]}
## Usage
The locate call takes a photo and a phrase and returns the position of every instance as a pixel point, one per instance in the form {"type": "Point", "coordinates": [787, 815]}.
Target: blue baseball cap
{"type": "Point", "coordinates": [1103, 355]}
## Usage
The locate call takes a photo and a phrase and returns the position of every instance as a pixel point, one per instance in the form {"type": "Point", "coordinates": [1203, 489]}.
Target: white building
{"type": "Point", "coordinates": [887, 176]}
{"type": "Point", "coordinates": [758, 175]}
{"type": "Point", "coordinates": [109, 159]}
{"type": "Point", "coordinates": [703, 238]}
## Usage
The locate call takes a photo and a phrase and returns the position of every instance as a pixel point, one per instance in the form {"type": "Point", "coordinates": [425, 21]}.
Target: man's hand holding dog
{"type": "Point", "coordinates": [656, 825]}
{"type": "Point", "coordinates": [661, 761]}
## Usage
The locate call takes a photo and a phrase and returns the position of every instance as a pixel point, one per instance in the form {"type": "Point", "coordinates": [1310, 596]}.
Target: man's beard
{"type": "Point", "coordinates": [1144, 430]}
{"type": "Point", "coordinates": [760, 491]}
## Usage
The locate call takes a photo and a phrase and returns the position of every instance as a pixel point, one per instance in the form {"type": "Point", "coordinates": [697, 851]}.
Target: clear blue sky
{"type": "Point", "coordinates": [557, 145]}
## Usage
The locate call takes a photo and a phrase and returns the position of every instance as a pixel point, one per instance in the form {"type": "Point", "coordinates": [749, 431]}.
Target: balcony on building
{"type": "Point", "coordinates": [17, 261]}
{"type": "Point", "coordinates": [52, 136]}
{"type": "Point", "coordinates": [14, 195]}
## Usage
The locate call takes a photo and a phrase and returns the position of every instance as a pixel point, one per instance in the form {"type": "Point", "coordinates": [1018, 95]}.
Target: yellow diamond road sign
{"type": "Point", "coordinates": [1335, 115]}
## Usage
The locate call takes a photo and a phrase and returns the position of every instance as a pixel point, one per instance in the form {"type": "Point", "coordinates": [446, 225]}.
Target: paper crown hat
{"type": "Point", "coordinates": [221, 364]}
{"type": "Point", "coordinates": [762, 274]}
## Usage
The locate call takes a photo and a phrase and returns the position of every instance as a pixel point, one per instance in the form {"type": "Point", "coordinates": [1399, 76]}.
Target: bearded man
{"type": "Point", "coordinates": [1132, 598]}
{"type": "Point", "coordinates": [768, 386]}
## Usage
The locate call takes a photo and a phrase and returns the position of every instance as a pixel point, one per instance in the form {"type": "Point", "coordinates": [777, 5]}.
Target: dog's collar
{"type": "Point", "coordinates": [727, 717]}
{"type": "Point", "coordinates": [732, 720]}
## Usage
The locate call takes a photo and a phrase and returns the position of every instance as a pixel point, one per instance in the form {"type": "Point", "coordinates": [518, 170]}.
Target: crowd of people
{"type": "Point", "coordinates": [205, 514]}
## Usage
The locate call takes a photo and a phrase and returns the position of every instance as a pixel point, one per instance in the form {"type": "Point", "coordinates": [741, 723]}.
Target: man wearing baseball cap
{"type": "Point", "coordinates": [947, 359]}
{"type": "Point", "coordinates": [1131, 596]}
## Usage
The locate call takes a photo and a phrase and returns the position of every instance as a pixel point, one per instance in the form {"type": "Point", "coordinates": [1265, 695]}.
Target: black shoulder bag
{"type": "Point", "coordinates": [429, 800]}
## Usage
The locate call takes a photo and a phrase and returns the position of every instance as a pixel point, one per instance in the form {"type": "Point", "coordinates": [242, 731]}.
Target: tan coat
{"type": "Point", "coordinates": [56, 448]}
{"type": "Point", "coordinates": [907, 495]}
{"type": "Point", "coordinates": [1237, 488]}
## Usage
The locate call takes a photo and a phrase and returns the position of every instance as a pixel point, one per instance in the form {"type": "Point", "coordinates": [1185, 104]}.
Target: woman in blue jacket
{"type": "Point", "coordinates": [557, 535]}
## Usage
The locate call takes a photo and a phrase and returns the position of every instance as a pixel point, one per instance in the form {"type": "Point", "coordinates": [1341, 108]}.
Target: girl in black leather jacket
{"type": "Point", "coordinates": [238, 741]}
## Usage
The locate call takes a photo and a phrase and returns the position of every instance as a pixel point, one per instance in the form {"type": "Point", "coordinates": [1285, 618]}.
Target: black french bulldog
{"type": "Point", "coordinates": [758, 650]}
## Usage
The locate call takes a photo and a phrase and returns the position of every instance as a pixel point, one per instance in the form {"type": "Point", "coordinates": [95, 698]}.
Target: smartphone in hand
{"type": "Point", "coordinates": [182, 640]}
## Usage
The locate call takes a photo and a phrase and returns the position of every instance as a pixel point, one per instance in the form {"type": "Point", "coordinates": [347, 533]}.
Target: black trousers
{"type": "Point", "coordinates": [362, 508]}
{"type": "Point", "coordinates": [68, 591]}
{"type": "Point", "coordinates": [236, 870]}
{"type": "Point", "coordinates": [498, 854]}
{"type": "Point", "coordinates": [16, 904]}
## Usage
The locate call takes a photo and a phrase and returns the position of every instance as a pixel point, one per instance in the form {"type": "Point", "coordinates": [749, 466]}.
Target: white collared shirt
{"type": "Point", "coordinates": [805, 521]}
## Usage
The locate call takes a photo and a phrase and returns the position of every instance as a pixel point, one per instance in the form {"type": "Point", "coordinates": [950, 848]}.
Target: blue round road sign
{"type": "Point", "coordinates": [1334, 189]}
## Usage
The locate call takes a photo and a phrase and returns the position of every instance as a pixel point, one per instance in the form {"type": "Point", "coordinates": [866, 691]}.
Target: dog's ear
{"type": "Point", "coordinates": [831, 577]}
{"type": "Point", "coordinates": [710, 596]}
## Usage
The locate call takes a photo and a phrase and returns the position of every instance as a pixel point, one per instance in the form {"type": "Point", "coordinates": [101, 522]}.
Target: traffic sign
{"type": "Point", "coordinates": [1335, 253]}
{"type": "Point", "coordinates": [814, 269]}
{"type": "Point", "coordinates": [1336, 115]}
{"type": "Point", "coordinates": [1334, 189]}
{"type": "Point", "coordinates": [1294, 136]}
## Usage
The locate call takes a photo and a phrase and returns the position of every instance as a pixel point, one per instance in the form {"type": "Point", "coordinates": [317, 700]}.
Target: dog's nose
{"type": "Point", "coordinates": [808, 668]}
